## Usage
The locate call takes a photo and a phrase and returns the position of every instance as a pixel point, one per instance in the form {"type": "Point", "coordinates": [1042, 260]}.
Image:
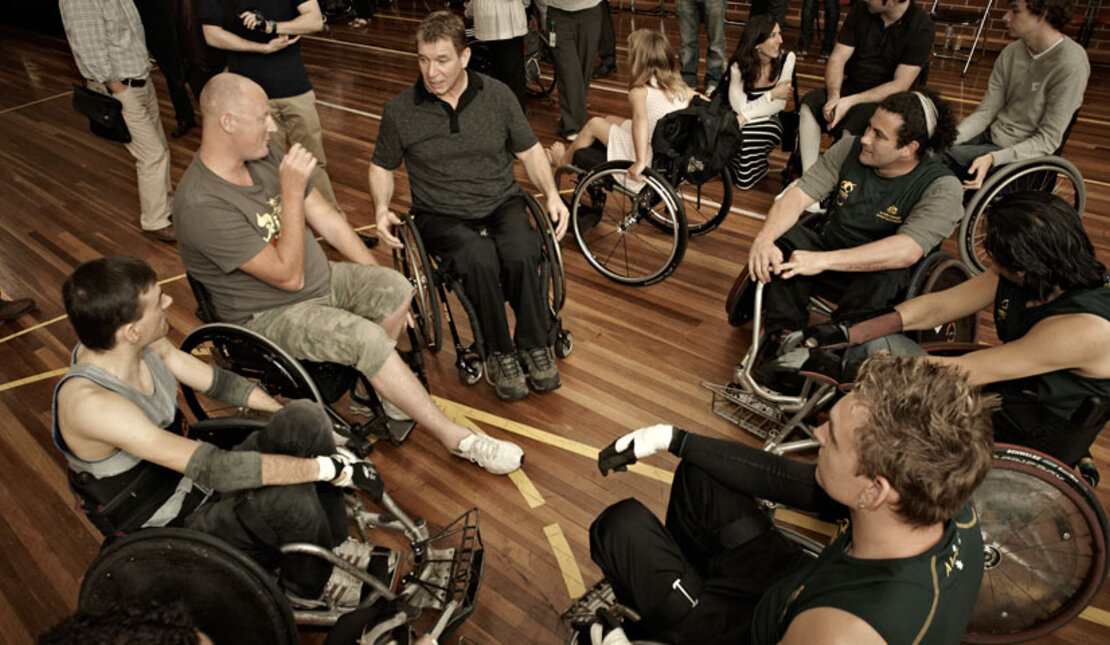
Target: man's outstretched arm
{"type": "Point", "coordinates": [539, 171]}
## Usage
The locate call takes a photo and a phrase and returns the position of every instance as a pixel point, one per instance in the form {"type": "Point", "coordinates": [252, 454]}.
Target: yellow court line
{"type": "Point", "coordinates": [572, 575]}
{"type": "Point", "coordinates": [32, 328]}
{"type": "Point", "coordinates": [531, 494]}
{"type": "Point", "coordinates": [36, 102]}
{"type": "Point", "coordinates": [11, 385]}
{"type": "Point", "coordinates": [1096, 615]}
{"type": "Point", "coordinates": [548, 438]}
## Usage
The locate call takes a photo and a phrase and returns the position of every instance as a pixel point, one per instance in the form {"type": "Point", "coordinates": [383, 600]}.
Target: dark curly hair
{"type": "Point", "coordinates": [1041, 236]}
{"type": "Point", "coordinates": [908, 106]}
{"type": "Point", "coordinates": [1056, 12]}
{"type": "Point", "coordinates": [120, 624]}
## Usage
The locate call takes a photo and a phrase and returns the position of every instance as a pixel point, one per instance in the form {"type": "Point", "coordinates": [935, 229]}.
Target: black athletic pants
{"type": "Point", "coordinates": [717, 543]}
{"type": "Point", "coordinates": [497, 258]}
{"type": "Point", "coordinates": [161, 39]}
{"type": "Point", "coordinates": [858, 295]}
{"type": "Point", "coordinates": [260, 520]}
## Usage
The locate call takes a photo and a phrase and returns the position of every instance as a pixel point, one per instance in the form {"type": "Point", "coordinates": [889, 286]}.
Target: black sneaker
{"type": "Point", "coordinates": [539, 362]}
{"type": "Point", "coordinates": [503, 371]}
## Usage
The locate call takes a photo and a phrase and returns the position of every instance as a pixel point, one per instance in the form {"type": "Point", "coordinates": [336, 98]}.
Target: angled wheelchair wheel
{"type": "Point", "coordinates": [937, 272]}
{"type": "Point", "coordinates": [253, 356]}
{"type": "Point", "coordinates": [539, 64]}
{"type": "Point", "coordinates": [553, 270]}
{"type": "Point", "coordinates": [706, 204]}
{"type": "Point", "coordinates": [634, 234]}
{"type": "Point", "coordinates": [1054, 175]}
{"type": "Point", "coordinates": [231, 598]}
{"type": "Point", "coordinates": [1045, 547]}
{"type": "Point", "coordinates": [412, 261]}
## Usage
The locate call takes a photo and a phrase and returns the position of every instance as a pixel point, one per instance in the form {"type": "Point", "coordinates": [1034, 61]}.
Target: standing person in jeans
{"type": "Point", "coordinates": [690, 14]}
{"type": "Point", "coordinates": [501, 25]}
{"type": "Point", "coordinates": [109, 46]}
{"type": "Point", "coordinates": [809, 21]}
{"type": "Point", "coordinates": [264, 47]}
{"type": "Point", "coordinates": [575, 26]}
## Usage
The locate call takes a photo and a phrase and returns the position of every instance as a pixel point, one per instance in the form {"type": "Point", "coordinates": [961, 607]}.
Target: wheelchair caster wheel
{"type": "Point", "coordinates": [471, 372]}
{"type": "Point", "coordinates": [564, 344]}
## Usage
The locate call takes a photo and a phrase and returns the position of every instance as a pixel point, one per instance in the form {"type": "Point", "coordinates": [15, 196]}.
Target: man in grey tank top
{"type": "Point", "coordinates": [116, 422]}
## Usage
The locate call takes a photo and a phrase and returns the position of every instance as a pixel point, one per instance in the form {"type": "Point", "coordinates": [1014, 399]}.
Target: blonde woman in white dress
{"type": "Point", "coordinates": [655, 89]}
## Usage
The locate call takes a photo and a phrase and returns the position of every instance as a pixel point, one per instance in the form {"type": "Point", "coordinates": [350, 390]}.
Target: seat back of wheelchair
{"type": "Point", "coordinates": [1045, 551]}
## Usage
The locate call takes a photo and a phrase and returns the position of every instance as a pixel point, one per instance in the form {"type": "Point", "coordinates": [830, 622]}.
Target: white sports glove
{"type": "Point", "coordinates": [633, 446]}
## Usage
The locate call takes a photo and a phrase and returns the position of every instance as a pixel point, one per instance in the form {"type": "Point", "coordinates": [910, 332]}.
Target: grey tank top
{"type": "Point", "coordinates": [160, 407]}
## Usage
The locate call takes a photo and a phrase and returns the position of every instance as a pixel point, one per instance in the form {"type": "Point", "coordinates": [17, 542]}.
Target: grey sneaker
{"type": "Point", "coordinates": [539, 362]}
{"type": "Point", "coordinates": [503, 371]}
{"type": "Point", "coordinates": [494, 455]}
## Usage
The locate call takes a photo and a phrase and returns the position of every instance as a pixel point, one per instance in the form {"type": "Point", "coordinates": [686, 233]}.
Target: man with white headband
{"type": "Point", "coordinates": [892, 204]}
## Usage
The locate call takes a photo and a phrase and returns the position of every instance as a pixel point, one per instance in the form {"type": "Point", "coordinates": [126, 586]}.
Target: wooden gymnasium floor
{"type": "Point", "coordinates": [639, 354]}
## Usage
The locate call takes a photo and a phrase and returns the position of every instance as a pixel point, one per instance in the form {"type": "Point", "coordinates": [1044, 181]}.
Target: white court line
{"type": "Point", "coordinates": [358, 45]}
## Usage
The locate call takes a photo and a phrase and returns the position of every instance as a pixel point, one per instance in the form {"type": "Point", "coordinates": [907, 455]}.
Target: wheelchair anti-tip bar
{"type": "Point", "coordinates": [745, 373]}
{"type": "Point", "coordinates": [379, 587]}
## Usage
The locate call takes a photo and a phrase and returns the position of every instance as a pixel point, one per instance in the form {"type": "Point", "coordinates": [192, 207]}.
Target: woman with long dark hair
{"type": "Point", "coordinates": [758, 82]}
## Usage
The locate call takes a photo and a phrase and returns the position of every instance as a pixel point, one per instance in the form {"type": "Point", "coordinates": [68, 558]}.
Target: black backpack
{"type": "Point", "coordinates": [696, 142]}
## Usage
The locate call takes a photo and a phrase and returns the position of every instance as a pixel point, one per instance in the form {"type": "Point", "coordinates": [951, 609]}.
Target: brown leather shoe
{"type": "Point", "coordinates": [12, 309]}
{"type": "Point", "coordinates": [164, 234]}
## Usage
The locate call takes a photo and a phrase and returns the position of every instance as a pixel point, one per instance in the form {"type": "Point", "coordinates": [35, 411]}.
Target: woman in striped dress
{"type": "Point", "coordinates": [758, 79]}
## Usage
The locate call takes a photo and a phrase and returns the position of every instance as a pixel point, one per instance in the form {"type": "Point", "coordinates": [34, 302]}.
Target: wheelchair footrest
{"type": "Point", "coordinates": [746, 410]}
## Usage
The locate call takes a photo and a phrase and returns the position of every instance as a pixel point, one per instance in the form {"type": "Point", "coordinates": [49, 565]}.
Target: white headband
{"type": "Point", "coordinates": [930, 111]}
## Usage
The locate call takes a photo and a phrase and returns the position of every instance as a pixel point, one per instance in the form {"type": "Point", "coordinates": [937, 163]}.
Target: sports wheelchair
{"type": "Point", "coordinates": [432, 282]}
{"type": "Point", "coordinates": [635, 233]}
{"type": "Point", "coordinates": [235, 600]}
{"type": "Point", "coordinates": [773, 417]}
{"type": "Point", "coordinates": [1045, 544]}
{"type": "Point", "coordinates": [252, 355]}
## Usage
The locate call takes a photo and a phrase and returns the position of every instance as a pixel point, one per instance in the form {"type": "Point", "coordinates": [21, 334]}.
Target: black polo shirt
{"type": "Point", "coordinates": [282, 73]}
{"type": "Point", "coordinates": [459, 161]}
{"type": "Point", "coordinates": [880, 49]}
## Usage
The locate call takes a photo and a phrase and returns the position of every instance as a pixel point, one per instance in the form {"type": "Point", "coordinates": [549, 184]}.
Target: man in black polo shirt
{"type": "Point", "coordinates": [263, 37]}
{"type": "Point", "coordinates": [457, 133]}
{"type": "Point", "coordinates": [883, 47]}
{"type": "Point", "coordinates": [892, 203]}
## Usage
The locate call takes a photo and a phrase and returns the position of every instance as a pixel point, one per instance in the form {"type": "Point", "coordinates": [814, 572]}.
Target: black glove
{"type": "Point", "coordinates": [260, 20]}
{"type": "Point", "coordinates": [366, 478]}
{"type": "Point", "coordinates": [824, 365]}
{"type": "Point", "coordinates": [828, 335]}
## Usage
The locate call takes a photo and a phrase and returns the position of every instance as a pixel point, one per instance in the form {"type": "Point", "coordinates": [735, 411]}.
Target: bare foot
{"type": "Point", "coordinates": [556, 153]}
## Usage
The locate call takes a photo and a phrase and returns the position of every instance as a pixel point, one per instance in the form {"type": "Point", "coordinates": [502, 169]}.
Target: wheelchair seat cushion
{"type": "Point", "coordinates": [589, 158]}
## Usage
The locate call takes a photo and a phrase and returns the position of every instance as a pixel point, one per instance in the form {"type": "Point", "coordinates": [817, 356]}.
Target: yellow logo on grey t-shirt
{"type": "Point", "coordinates": [271, 222]}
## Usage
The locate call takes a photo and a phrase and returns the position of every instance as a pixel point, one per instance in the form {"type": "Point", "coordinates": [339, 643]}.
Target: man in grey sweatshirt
{"type": "Point", "coordinates": [1036, 86]}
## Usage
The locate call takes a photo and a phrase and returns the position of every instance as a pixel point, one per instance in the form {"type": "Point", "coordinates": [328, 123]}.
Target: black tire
{"type": "Point", "coordinates": [937, 272]}
{"type": "Point", "coordinates": [231, 598]}
{"type": "Point", "coordinates": [539, 64]}
{"type": "Point", "coordinates": [1045, 547]}
{"type": "Point", "coordinates": [413, 262]}
{"type": "Point", "coordinates": [611, 225]}
{"type": "Point", "coordinates": [552, 255]}
{"type": "Point", "coordinates": [1050, 174]}
{"type": "Point", "coordinates": [250, 355]}
{"type": "Point", "coordinates": [707, 204]}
